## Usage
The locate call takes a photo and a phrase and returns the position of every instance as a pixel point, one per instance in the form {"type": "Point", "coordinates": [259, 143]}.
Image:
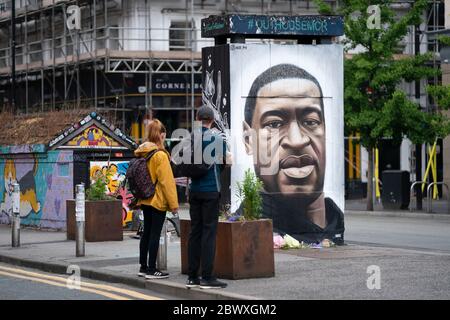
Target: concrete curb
{"type": "Point", "coordinates": [402, 214]}
{"type": "Point", "coordinates": [160, 286]}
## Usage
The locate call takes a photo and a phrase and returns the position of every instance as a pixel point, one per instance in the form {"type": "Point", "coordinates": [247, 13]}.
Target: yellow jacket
{"type": "Point", "coordinates": [165, 197]}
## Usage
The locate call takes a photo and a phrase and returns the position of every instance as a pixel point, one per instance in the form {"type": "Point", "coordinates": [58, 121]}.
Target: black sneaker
{"type": "Point", "coordinates": [212, 284]}
{"type": "Point", "coordinates": [142, 271]}
{"type": "Point", "coordinates": [156, 274]}
{"type": "Point", "coordinates": [193, 283]}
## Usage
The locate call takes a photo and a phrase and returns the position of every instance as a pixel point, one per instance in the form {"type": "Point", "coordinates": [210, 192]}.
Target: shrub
{"type": "Point", "coordinates": [248, 191]}
{"type": "Point", "coordinates": [98, 189]}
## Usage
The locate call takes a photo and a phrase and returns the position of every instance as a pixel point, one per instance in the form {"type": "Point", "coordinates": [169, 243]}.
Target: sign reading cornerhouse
{"type": "Point", "coordinates": [259, 26]}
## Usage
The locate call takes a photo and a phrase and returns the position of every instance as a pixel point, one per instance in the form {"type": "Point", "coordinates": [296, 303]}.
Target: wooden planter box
{"type": "Point", "coordinates": [243, 249]}
{"type": "Point", "coordinates": [103, 220]}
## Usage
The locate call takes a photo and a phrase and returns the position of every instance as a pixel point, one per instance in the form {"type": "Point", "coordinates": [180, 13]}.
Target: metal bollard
{"type": "Point", "coordinates": [80, 219]}
{"type": "Point", "coordinates": [16, 216]}
{"type": "Point", "coordinates": [161, 261]}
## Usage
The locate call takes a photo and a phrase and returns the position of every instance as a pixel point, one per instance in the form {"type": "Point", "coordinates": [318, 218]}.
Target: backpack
{"type": "Point", "coordinates": [191, 170]}
{"type": "Point", "coordinates": [138, 177]}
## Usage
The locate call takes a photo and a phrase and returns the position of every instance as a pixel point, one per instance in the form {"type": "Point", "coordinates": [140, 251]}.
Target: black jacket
{"type": "Point", "coordinates": [289, 218]}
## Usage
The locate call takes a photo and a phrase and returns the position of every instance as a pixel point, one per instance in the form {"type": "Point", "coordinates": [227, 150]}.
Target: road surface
{"type": "Point", "coordinates": [17, 283]}
{"type": "Point", "coordinates": [405, 232]}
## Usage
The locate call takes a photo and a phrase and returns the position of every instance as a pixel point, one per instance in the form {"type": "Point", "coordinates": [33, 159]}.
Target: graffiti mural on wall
{"type": "Point", "coordinates": [115, 172]}
{"type": "Point", "coordinates": [45, 184]}
{"type": "Point", "coordinates": [280, 99]}
{"type": "Point", "coordinates": [92, 137]}
{"type": "Point", "coordinates": [28, 199]}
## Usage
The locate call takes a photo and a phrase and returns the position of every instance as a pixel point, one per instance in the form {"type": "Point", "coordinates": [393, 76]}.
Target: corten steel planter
{"type": "Point", "coordinates": [243, 249]}
{"type": "Point", "coordinates": [103, 220]}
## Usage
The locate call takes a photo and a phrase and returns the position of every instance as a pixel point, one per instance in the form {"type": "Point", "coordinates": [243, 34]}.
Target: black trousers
{"type": "Point", "coordinates": [204, 212]}
{"type": "Point", "coordinates": [153, 223]}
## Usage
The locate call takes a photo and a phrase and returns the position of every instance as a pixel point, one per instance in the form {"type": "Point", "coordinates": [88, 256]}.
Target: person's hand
{"type": "Point", "coordinates": [228, 158]}
{"type": "Point", "coordinates": [174, 211]}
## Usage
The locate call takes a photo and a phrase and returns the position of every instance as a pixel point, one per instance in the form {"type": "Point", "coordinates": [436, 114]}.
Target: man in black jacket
{"type": "Point", "coordinates": [204, 196]}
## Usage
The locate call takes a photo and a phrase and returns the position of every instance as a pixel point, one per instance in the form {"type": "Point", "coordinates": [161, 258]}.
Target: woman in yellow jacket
{"type": "Point", "coordinates": [164, 199]}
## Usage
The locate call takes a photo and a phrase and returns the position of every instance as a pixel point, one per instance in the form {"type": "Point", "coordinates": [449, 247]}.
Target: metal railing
{"type": "Point", "coordinates": [430, 198]}
{"type": "Point", "coordinates": [411, 192]}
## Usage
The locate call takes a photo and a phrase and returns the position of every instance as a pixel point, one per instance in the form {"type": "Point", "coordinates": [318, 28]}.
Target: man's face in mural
{"type": "Point", "coordinates": [288, 119]}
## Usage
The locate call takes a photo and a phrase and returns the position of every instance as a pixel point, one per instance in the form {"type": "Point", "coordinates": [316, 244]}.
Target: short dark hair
{"type": "Point", "coordinates": [205, 113]}
{"type": "Point", "coordinates": [278, 72]}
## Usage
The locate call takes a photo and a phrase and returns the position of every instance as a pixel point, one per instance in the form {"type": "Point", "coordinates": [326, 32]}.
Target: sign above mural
{"type": "Point", "coordinates": [93, 132]}
{"type": "Point", "coordinates": [175, 83]}
{"type": "Point", "coordinates": [259, 26]}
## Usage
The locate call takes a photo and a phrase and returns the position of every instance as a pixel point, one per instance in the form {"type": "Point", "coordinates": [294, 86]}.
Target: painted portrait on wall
{"type": "Point", "coordinates": [286, 110]}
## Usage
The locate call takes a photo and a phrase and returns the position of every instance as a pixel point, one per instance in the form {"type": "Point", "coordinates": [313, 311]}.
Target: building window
{"type": "Point", "coordinates": [181, 35]}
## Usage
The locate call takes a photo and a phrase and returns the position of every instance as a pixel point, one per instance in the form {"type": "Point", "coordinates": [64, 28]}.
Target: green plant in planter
{"type": "Point", "coordinates": [249, 192]}
{"type": "Point", "coordinates": [98, 189]}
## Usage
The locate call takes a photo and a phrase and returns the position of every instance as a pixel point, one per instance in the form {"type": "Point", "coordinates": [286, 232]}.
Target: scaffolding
{"type": "Point", "coordinates": [57, 68]}
{"type": "Point", "coordinates": [53, 65]}
{"type": "Point", "coordinates": [435, 24]}
{"type": "Point", "coordinates": [68, 66]}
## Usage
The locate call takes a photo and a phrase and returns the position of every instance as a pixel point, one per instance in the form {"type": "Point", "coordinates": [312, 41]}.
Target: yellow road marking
{"type": "Point", "coordinates": [52, 283]}
{"type": "Point", "coordinates": [130, 293]}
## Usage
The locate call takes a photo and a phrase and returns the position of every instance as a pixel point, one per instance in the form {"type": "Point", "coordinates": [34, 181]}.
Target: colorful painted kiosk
{"type": "Point", "coordinates": [98, 145]}
{"type": "Point", "coordinates": [279, 102]}
{"type": "Point", "coordinates": [47, 173]}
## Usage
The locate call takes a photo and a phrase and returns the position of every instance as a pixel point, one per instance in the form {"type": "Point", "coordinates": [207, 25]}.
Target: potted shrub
{"type": "Point", "coordinates": [244, 243]}
{"type": "Point", "coordinates": [103, 214]}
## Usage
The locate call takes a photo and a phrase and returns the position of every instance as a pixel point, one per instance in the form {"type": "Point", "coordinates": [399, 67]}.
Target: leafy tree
{"type": "Point", "coordinates": [444, 40]}
{"type": "Point", "coordinates": [374, 104]}
{"type": "Point", "coordinates": [441, 95]}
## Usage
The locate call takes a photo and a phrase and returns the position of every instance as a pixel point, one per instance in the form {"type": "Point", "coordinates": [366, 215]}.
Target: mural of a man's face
{"type": "Point", "coordinates": [290, 110]}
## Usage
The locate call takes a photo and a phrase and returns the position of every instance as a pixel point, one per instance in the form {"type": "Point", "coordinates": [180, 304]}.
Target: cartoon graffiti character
{"type": "Point", "coordinates": [126, 197]}
{"type": "Point", "coordinates": [93, 171]}
{"type": "Point", "coordinates": [115, 185]}
{"type": "Point", "coordinates": [91, 136]}
{"type": "Point", "coordinates": [95, 137]}
{"type": "Point", "coordinates": [28, 199]}
{"type": "Point", "coordinates": [113, 177]}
